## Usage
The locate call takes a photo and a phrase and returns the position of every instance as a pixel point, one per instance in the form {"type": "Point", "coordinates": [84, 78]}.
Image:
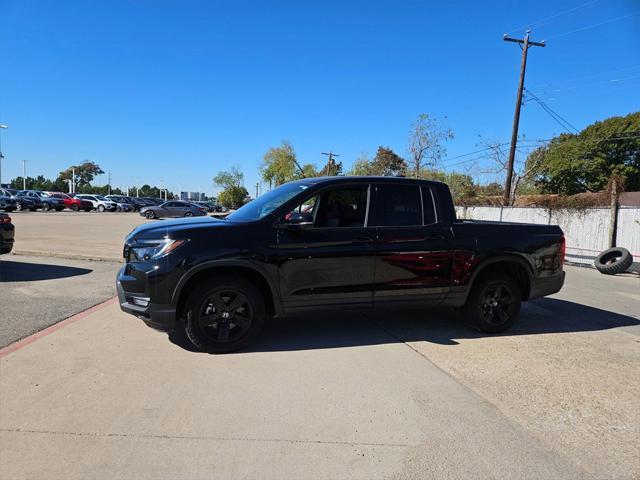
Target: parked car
{"type": "Point", "coordinates": [7, 232]}
{"type": "Point", "coordinates": [220, 208]}
{"type": "Point", "coordinates": [22, 202]}
{"type": "Point", "coordinates": [36, 201]}
{"type": "Point", "coordinates": [123, 204]}
{"type": "Point", "coordinates": [154, 201]}
{"type": "Point", "coordinates": [367, 242]}
{"type": "Point", "coordinates": [7, 203]}
{"type": "Point", "coordinates": [133, 205]}
{"type": "Point", "coordinates": [72, 203]}
{"type": "Point", "coordinates": [99, 202]}
{"type": "Point", "coordinates": [173, 209]}
{"type": "Point", "coordinates": [206, 205]}
{"type": "Point", "coordinates": [46, 202]}
{"type": "Point", "coordinates": [138, 203]}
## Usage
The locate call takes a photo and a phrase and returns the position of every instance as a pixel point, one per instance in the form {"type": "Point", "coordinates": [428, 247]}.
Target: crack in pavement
{"type": "Point", "coordinates": [205, 437]}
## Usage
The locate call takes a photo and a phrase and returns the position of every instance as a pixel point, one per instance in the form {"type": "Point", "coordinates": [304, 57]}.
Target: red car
{"type": "Point", "coordinates": [75, 204]}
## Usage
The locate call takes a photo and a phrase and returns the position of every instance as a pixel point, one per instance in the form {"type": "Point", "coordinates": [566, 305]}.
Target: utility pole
{"type": "Point", "coordinates": [524, 43]}
{"type": "Point", "coordinates": [109, 183]}
{"type": "Point", "coordinates": [73, 179]}
{"type": "Point", "coordinates": [330, 167]}
{"type": "Point", "coordinates": [24, 174]}
{"type": "Point", "coordinates": [257, 186]}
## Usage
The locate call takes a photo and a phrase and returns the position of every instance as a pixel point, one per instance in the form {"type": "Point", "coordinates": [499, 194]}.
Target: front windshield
{"type": "Point", "coordinates": [267, 203]}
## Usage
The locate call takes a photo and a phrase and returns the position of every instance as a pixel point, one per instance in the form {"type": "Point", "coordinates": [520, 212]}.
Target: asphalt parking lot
{"type": "Point", "coordinates": [386, 394]}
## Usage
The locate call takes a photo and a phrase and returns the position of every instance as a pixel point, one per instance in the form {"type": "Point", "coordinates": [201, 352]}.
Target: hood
{"type": "Point", "coordinates": [178, 227]}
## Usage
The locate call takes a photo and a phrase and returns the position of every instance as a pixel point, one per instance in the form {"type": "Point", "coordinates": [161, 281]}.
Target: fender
{"type": "Point", "coordinates": [458, 295]}
{"type": "Point", "coordinates": [259, 269]}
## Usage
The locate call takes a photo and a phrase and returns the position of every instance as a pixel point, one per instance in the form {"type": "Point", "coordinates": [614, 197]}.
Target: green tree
{"type": "Point", "coordinates": [388, 163]}
{"type": "Point", "coordinates": [426, 144]}
{"type": "Point", "coordinates": [279, 165]}
{"type": "Point", "coordinates": [331, 169]}
{"type": "Point", "coordinates": [84, 173]}
{"type": "Point", "coordinates": [585, 162]}
{"type": "Point", "coordinates": [231, 181]}
{"type": "Point", "coordinates": [385, 163]}
{"type": "Point", "coordinates": [362, 165]}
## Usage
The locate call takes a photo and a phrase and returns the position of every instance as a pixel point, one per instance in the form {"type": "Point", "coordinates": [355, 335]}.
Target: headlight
{"type": "Point", "coordinates": [151, 249]}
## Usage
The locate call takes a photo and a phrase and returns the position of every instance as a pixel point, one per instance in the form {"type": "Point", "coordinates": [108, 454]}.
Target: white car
{"type": "Point", "coordinates": [99, 202]}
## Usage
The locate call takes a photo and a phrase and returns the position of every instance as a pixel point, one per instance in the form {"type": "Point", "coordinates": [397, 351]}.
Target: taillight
{"type": "Point", "coordinates": [562, 250]}
{"type": "Point", "coordinates": [5, 220]}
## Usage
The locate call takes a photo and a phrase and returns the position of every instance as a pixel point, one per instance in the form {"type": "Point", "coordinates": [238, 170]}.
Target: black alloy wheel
{"type": "Point", "coordinates": [46, 207]}
{"type": "Point", "coordinates": [19, 207]}
{"type": "Point", "coordinates": [224, 315]}
{"type": "Point", "coordinates": [493, 304]}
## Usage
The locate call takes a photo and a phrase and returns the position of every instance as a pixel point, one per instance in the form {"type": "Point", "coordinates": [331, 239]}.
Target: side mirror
{"type": "Point", "coordinates": [298, 221]}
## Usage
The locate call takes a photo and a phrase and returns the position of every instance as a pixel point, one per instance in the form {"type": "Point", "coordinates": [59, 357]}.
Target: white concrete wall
{"type": "Point", "coordinates": [586, 231]}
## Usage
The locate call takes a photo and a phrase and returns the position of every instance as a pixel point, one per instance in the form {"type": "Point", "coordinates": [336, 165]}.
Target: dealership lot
{"type": "Point", "coordinates": [391, 394]}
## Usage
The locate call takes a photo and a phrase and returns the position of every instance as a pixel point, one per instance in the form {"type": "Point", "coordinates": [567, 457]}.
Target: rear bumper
{"type": "Point", "coordinates": [6, 237]}
{"type": "Point", "coordinates": [157, 316]}
{"type": "Point", "coordinates": [541, 287]}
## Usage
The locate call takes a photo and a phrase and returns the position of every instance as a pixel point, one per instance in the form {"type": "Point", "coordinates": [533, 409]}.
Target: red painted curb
{"type": "Point", "coordinates": [57, 326]}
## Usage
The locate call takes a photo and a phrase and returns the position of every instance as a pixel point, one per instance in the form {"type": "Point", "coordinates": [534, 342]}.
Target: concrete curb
{"type": "Point", "coordinates": [70, 256]}
{"type": "Point", "coordinates": [52, 328]}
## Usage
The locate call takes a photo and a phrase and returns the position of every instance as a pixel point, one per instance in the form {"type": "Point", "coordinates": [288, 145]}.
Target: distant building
{"type": "Point", "coordinates": [192, 196]}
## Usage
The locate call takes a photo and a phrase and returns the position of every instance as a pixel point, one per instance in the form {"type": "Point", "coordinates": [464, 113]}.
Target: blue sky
{"type": "Point", "coordinates": [175, 91]}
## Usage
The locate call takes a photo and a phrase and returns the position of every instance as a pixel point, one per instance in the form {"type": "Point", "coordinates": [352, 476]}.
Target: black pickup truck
{"type": "Point", "coordinates": [333, 243]}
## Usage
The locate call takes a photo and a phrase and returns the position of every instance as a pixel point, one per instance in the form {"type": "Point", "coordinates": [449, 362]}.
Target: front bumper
{"type": "Point", "coordinates": [157, 316]}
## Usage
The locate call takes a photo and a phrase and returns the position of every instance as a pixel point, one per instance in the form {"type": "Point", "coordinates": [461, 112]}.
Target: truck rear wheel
{"type": "Point", "coordinates": [493, 304]}
{"type": "Point", "coordinates": [224, 315]}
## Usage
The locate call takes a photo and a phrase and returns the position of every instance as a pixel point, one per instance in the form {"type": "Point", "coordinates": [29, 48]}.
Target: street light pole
{"type": "Point", "coordinates": [24, 174]}
{"type": "Point", "coordinates": [2, 127]}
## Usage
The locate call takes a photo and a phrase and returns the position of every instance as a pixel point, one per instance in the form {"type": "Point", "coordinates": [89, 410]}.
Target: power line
{"type": "Point", "coordinates": [556, 116]}
{"type": "Point", "coordinates": [545, 21]}
{"type": "Point", "coordinates": [588, 77]}
{"type": "Point", "coordinates": [589, 27]}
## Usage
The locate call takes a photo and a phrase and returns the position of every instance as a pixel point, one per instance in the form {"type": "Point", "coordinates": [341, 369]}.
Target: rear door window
{"type": "Point", "coordinates": [396, 206]}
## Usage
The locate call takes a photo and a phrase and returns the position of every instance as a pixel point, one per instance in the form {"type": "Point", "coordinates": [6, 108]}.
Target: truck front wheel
{"type": "Point", "coordinates": [224, 314]}
{"type": "Point", "coordinates": [493, 304]}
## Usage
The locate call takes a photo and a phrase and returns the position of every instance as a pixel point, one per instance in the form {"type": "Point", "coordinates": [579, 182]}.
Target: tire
{"type": "Point", "coordinates": [8, 209]}
{"type": "Point", "coordinates": [188, 214]}
{"type": "Point", "coordinates": [487, 313]}
{"type": "Point", "coordinates": [150, 214]}
{"type": "Point", "coordinates": [213, 332]}
{"type": "Point", "coordinates": [87, 209]}
{"type": "Point", "coordinates": [101, 208]}
{"type": "Point", "coordinates": [46, 207]}
{"type": "Point", "coordinates": [613, 261]}
{"type": "Point", "coordinates": [33, 209]}
{"type": "Point", "coordinates": [75, 208]}
{"type": "Point", "coordinates": [19, 207]}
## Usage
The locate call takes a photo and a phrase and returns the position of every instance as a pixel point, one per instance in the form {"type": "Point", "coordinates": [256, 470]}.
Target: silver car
{"type": "Point", "coordinates": [173, 209]}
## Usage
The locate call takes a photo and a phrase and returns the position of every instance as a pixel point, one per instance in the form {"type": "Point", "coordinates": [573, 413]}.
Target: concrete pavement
{"type": "Point", "coordinates": [383, 395]}
{"type": "Point", "coordinates": [105, 397]}
{"type": "Point", "coordinates": [76, 235]}
{"type": "Point", "coordinates": [36, 292]}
